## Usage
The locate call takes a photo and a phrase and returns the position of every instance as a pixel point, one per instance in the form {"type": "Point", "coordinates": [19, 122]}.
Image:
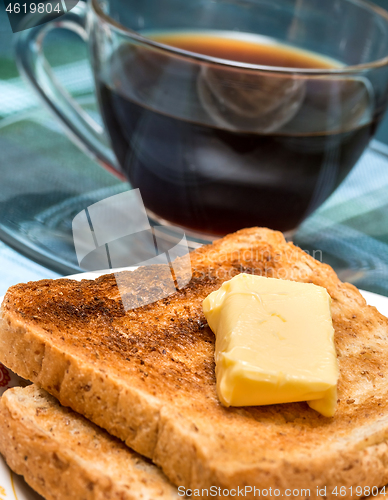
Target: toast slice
{"type": "Point", "coordinates": [65, 457]}
{"type": "Point", "coordinates": [147, 375]}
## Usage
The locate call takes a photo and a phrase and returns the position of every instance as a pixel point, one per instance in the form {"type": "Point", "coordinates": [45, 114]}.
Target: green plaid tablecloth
{"type": "Point", "coordinates": [351, 228]}
{"type": "Point", "coordinates": [43, 174]}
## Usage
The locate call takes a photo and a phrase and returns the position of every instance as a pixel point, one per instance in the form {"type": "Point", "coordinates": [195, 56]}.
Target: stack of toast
{"type": "Point", "coordinates": [147, 377]}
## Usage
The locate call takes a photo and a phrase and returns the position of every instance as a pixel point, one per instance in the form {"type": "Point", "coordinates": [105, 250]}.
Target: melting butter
{"type": "Point", "coordinates": [274, 343]}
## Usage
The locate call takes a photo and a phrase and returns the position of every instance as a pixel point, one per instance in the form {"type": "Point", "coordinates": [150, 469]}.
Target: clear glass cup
{"type": "Point", "coordinates": [217, 144]}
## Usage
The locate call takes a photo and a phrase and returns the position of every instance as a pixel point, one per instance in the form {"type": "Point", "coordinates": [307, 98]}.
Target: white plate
{"type": "Point", "coordinates": [13, 486]}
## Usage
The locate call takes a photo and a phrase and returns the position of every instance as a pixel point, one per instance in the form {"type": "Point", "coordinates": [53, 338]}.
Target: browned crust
{"type": "Point", "coordinates": [147, 376]}
{"type": "Point", "coordinates": [64, 457]}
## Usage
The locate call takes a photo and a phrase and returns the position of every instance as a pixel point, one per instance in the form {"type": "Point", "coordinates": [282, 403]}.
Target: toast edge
{"type": "Point", "coordinates": [59, 473]}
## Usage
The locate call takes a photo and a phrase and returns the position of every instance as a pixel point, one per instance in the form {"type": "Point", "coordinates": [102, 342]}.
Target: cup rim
{"type": "Point", "coordinates": [203, 58]}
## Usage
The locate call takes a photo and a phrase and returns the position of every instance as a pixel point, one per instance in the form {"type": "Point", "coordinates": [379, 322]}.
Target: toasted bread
{"type": "Point", "coordinates": [147, 375]}
{"type": "Point", "coordinates": [63, 456]}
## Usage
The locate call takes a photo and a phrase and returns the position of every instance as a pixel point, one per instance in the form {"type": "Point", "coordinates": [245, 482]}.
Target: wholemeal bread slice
{"type": "Point", "coordinates": [63, 456]}
{"type": "Point", "coordinates": [147, 375]}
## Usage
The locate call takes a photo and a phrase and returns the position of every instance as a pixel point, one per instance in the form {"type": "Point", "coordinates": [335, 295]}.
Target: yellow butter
{"type": "Point", "coordinates": [274, 343]}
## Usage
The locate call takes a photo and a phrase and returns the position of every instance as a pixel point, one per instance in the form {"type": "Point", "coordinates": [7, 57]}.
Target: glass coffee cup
{"type": "Point", "coordinates": [225, 114]}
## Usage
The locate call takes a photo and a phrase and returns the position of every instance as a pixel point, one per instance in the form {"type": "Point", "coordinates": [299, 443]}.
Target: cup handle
{"type": "Point", "coordinates": [32, 64]}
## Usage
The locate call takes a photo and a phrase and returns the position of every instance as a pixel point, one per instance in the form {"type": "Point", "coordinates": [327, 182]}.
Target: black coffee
{"type": "Point", "coordinates": [215, 150]}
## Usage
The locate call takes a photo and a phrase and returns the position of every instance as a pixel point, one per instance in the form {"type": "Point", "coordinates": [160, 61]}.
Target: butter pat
{"type": "Point", "coordinates": [274, 343]}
